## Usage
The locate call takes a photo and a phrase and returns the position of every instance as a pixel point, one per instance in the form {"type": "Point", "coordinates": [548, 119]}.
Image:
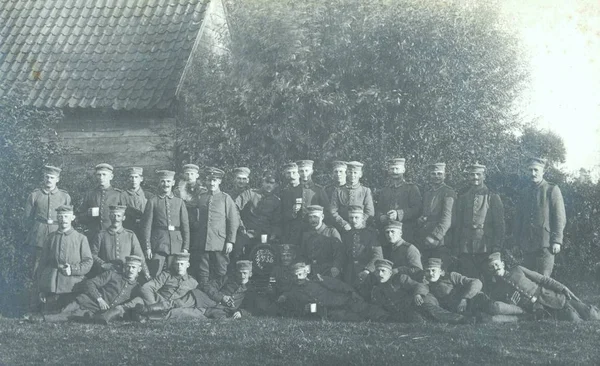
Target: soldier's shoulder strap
{"type": "Point", "coordinates": [117, 189]}
{"type": "Point", "coordinates": [63, 191]}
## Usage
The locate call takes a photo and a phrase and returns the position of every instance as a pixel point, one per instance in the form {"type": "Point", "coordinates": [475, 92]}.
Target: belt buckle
{"type": "Point", "coordinates": [49, 221]}
{"type": "Point", "coordinates": [171, 228]}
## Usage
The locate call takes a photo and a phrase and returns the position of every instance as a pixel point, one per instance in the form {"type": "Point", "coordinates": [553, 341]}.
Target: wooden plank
{"type": "Point", "coordinates": [139, 132]}
{"type": "Point", "coordinates": [119, 160]}
{"type": "Point", "coordinates": [108, 125]}
{"type": "Point", "coordinates": [118, 144]}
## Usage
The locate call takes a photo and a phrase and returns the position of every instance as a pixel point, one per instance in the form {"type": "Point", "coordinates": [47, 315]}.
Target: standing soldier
{"type": "Point", "coordinates": [166, 225]}
{"type": "Point", "coordinates": [479, 220]}
{"type": "Point", "coordinates": [241, 181]}
{"type": "Point", "coordinates": [540, 220]}
{"type": "Point", "coordinates": [94, 210]}
{"type": "Point", "coordinates": [437, 215]}
{"type": "Point", "coordinates": [40, 212]}
{"type": "Point", "coordinates": [218, 219]}
{"type": "Point", "coordinates": [339, 178]}
{"type": "Point", "coordinates": [352, 194]}
{"type": "Point", "coordinates": [135, 198]}
{"type": "Point", "coordinates": [401, 201]}
{"type": "Point", "coordinates": [190, 186]}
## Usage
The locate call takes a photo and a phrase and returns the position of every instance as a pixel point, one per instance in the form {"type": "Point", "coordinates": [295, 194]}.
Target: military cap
{"type": "Point", "coordinates": [537, 161]}
{"type": "Point", "coordinates": [104, 166]}
{"type": "Point", "coordinates": [496, 256]}
{"type": "Point", "coordinates": [434, 263]}
{"type": "Point", "coordinates": [314, 209]}
{"type": "Point", "coordinates": [355, 165]}
{"type": "Point", "coordinates": [286, 249]}
{"type": "Point", "coordinates": [338, 164]}
{"type": "Point", "coordinates": [355, 209]}
{"type": "Point", "coordinates": [302, 163]}
{"type": "Point", "coordinates": [165, 174]}
{"type": "Point", "coordinates": [396, 162]}
{"type": "Point", "coordinates": [212, 172]}
{"type": "Point", "coordinates": [192, 167]}
{"type": "Point", "coordinates": [384, 263]}
{"type": "Point", "coordinates": [437, 167]}
{"type": "Point", "coordinates": [64, 208]}
{"type": "Point", "coordinates": [241, 171]}
{"type": "Point", "coordinates": [269, 177]}
{"type": "Point", "coordinates": [117, 208]}
{"type": "Point", "coordinates": [243, 265]}
{"type": "Point", "coordinates": [134, 259]}
{"type": "Point", "coordinates": [394, 225]}
{"type": "Point", "coordinates": [476, 168]}
{"type": "Point", "coordinates": [182, 257]}
{"type": "Point", "coordinates": [290, 166]}
{"type": "Point", "coordinates": [298, 266]}
{"type": "Point", "coordinates": [52, 170]}
{"type": "Point", "coordinates": [135, 170]}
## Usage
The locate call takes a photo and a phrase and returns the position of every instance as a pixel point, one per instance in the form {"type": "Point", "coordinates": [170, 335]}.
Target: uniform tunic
{"type": "Point", "coordinates": [166, 225]}
{"type": "Point", "coordinates": [39, 218]}
{"type": "Point", "coordinates": [437, 210]}
{"type": "Point", "coordinates": [406, 197]}
{"type": "Point", "coordinates": [397, 294]}
{"type": "Point", "coordinates": [111, 286]}
{"type": "Point", "coordinates": [113, 246]}
{"type": "Point", "coordinates": [451, 289]}
{"type": "Point", "coordinates": [167, 287]}
{"type": "Point", "coordinates": [406, 257]}
{"type": "Point", "coordinates": [101, 198]}
{"type": "Point", "coordinates": [215, 290]}
{"type": "Point", "coordinates": [351, 196]}
{"type": "Point", "coordinates": [69, 247]}
{"type": "Point", "coordinates": [136, 204]}
{"type": "Point", "coordinates": [361, 249]}
{"type": "Point", "coordinates": [260, 211]}
{"type": "Point", "coordinates": [218, 221]}
{"type": "Point", "coordinates": [322, 249]}
{"type": "Point", "coordinates": [293, 224]}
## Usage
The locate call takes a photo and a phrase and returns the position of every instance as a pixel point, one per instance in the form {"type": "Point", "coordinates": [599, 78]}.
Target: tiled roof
{"type": "Point", "coordinates": [120, 54]}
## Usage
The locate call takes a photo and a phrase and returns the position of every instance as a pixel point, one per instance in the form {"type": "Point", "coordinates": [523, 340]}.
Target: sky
{"type": "Point", "coordinates": [562, 41]}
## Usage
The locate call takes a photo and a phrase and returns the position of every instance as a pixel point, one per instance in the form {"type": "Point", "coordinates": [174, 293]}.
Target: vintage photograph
{"type": "Point", "coordinates": [308, 182]}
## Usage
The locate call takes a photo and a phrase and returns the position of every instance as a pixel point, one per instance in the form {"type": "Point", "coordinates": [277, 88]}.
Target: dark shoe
{"type": "Point", "coordinates": [137, 313]}
{"type": "Point", "coordinates": [109, 315]}
{"type": "Point", "coordinates": [158, 307]}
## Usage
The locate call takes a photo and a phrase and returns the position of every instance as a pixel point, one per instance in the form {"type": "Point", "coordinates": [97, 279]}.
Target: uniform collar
{"type": "Point", "coordinates": [68, 232]}
{"type": "Point", "coordinates": [137, 192]}
{"type": "Point", "coordinates": [355, 186]}
{"type": "Point", "coordinates": [168, 195]}
{"type": "Point", "coordinates": [51, 191]}
{"type": "Point", "coordinates": [400, 243]}
{"type": "Point", "coordinates": [435, 188]}
{"type": "Point", "coordinates": [114, 231]}
{"type": "Point", "coordinates": [98, 188]}
{"type": "Point", "coordinates": [308, 184]}
{"type": "Point", "coordinates": [400, 183]}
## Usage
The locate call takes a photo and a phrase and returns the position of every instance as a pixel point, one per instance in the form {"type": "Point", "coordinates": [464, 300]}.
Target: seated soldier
{"type": "Point", "coordinates": [405, 256]}
{"type": "Point", "coordinates": [102, 294]}
{"type": "Point", "coordinates": [518, 290]}
{"type": "Point", "coordinates": [361, 247]}
{"type": "Point", "coordinates": [321, 245]}
{"type": "Point", "coordinates": [405, 299]}
{"type": "Point", "coordinates": [167, 291]}
{"type": "Point", "coordinates": [327, 297]}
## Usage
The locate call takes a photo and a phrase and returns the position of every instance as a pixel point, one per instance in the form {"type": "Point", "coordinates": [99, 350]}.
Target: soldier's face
{"type": "Point", "coordinates": [269, 186]}
{"type": "Point", "coordinates": [315, 219]}
{"type": "Point", "coordinates": [340, 175]}
{"type": "Point", "coordinates": [497, 267]}
{"type": "Point", "coordinates": [383, 274]}
{"type": "Point", "coordinates": [135, 180]}
{"type": "Point", "coordinates": [305, 173]}
{"type": "Point", "coordinates": [103, 177]}
{"type": "Point", "coordinates": [65, 219]}
{"type": "Point", "coordinates": [535, 173]}
{"type": "Point", "coordinates": [292, 176]}
{"type": "Point", "coordinates": [476, 178]}
{"type": "Point", "coordinates": [393, 235]}
{"type": "Point", "coordinates": [213, 184]}
{"type": "Point", "coordinates": [300, 276]}
{"type": "Point", "coordinates": [437, 177]}
{"type": "Point", "coordinates": [396, 171]}
{"type": "Point", "coordinates": [286, 258]}
{"type": "Point", "coordinates": [243, 276]}
{"type": "Point", "coordinates": [190, 176]}
{"type": "Point", "coordinates": [241, 181]}
{"type": "Point", "coordinates": [50, 180]}
{"type": "Point", "coordinates": [433, 274]}
{"type": "Point", "coordinates": [166, 185]}
{"type": "Point", "coordinates": [354, 175]}
{"type": "Point", "coordinates": [131, 270]}
{"type": "Point", "coordinates": [356, 220]}
{"type": "Point", "coordinates": [181, 267]}
{"type": "Point", "coordinates": [116, 216]}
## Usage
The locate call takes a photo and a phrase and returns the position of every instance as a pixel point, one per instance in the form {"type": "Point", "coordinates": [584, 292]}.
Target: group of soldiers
{"type": "Point", "coordinates": [187, 251]}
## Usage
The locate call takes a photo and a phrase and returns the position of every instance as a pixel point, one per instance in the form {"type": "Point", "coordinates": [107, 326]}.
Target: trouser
{"type": "Point", "coordinates": [576, 311]}
{"type": "Point", "coordinates": [473, 265]}
{"type": "Point", "coordinates": [209, 265]}
{"type": "Point", "coordinates": [210, 308]}
{"type": "Point", "coordinates": [541, 261]}
{"type": "Point", "coordinates": [72, 310]}
{"type": "Point", "coordinates": [34, 293]}
{"type": "Point", "coordinates": [432, 309]}
{"type": "Point", "coordinates": [160, 261]}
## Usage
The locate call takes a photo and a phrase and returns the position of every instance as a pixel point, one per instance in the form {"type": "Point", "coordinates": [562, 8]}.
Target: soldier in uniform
{"type": "Point", "coordinates": [519, 290]}
{"type": "Point", "coordinates": [219, 220]}
{"type": "Point", "coordinates": [102, 294]}
{"type": "Point", "coordinates": [339, 177]}
{"type": "Point", "coordinates": [112, 246]}
{"type": "Point", "coordinates": [135, 198]}
{"type": "Point", "coordinates": [241, 181]}
{"type": "Point", "coordinates": [166, 225]}
{"type": "Point", "coordinates": [190, 186]}
{"type": "Point", "coordinates": [437, 214]}
{"type": "Point", "coordinates": [94, 210]}
{"type": "Point", "coordinates": [401, 201]}
{"type": "Point", "coordinates": [39, 218]}
{"type": "Point", "coordinates": [66, 259]}
{"type": "Point", "coordinates": [321, 245]}
{"type": "Point", "coordinates": [405, 256]}
{"type": "Point", "coordinates": [479, 224]}
{"type": "Point", "coordinates": [540, 220]}
{"type": "Point", "coordinates": [361, 247]}
{"type": "Point", "coordinates": [352, 194]}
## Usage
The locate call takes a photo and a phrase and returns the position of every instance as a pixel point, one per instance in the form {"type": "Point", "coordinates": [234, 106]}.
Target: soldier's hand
{"type": "Point", "coordinates": [227, 300]}
{"type": "Point", "coordinates": [296, 208]}
{"type": "Point", "coordinates": [462, 306]}
{"type": "Point", "coordinates": [149, 254]}
{"type": "Point", "coordinates": [108, 266]}
{"type": "Point", "coordinates": [66, 269]}
{"type": "Point", "coordinates": [281, 299]}
{"type": "Point", "coordinates": [335, 272]}
{"type": "Point", "coordinates": [430, 242]}
{"type": "Point", "coordinates": [347, 227]}
{"type": "Point", "coordinates": [185, 251]}
{"type": "Point", "coordinates": [319, 277]}
{"type": "Point", "coordinates": [237, 315]}
{"type": "Point", "coordinates": [362, 275]}
{"type": "Point", "coordinates": [421, 220]}
{"type": "Point", "coordinates": [228, 248]}
{"type": "Point", "coordinates": [555, 248]}
{"type": "Point", "coordinates": [418, 300]}
{"type": "Point", "coordinates": [392, 215]}
{"type": "Point", "coordinates": [570, 295]}
{"type": "Point", "coordinates": [103, 305]}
